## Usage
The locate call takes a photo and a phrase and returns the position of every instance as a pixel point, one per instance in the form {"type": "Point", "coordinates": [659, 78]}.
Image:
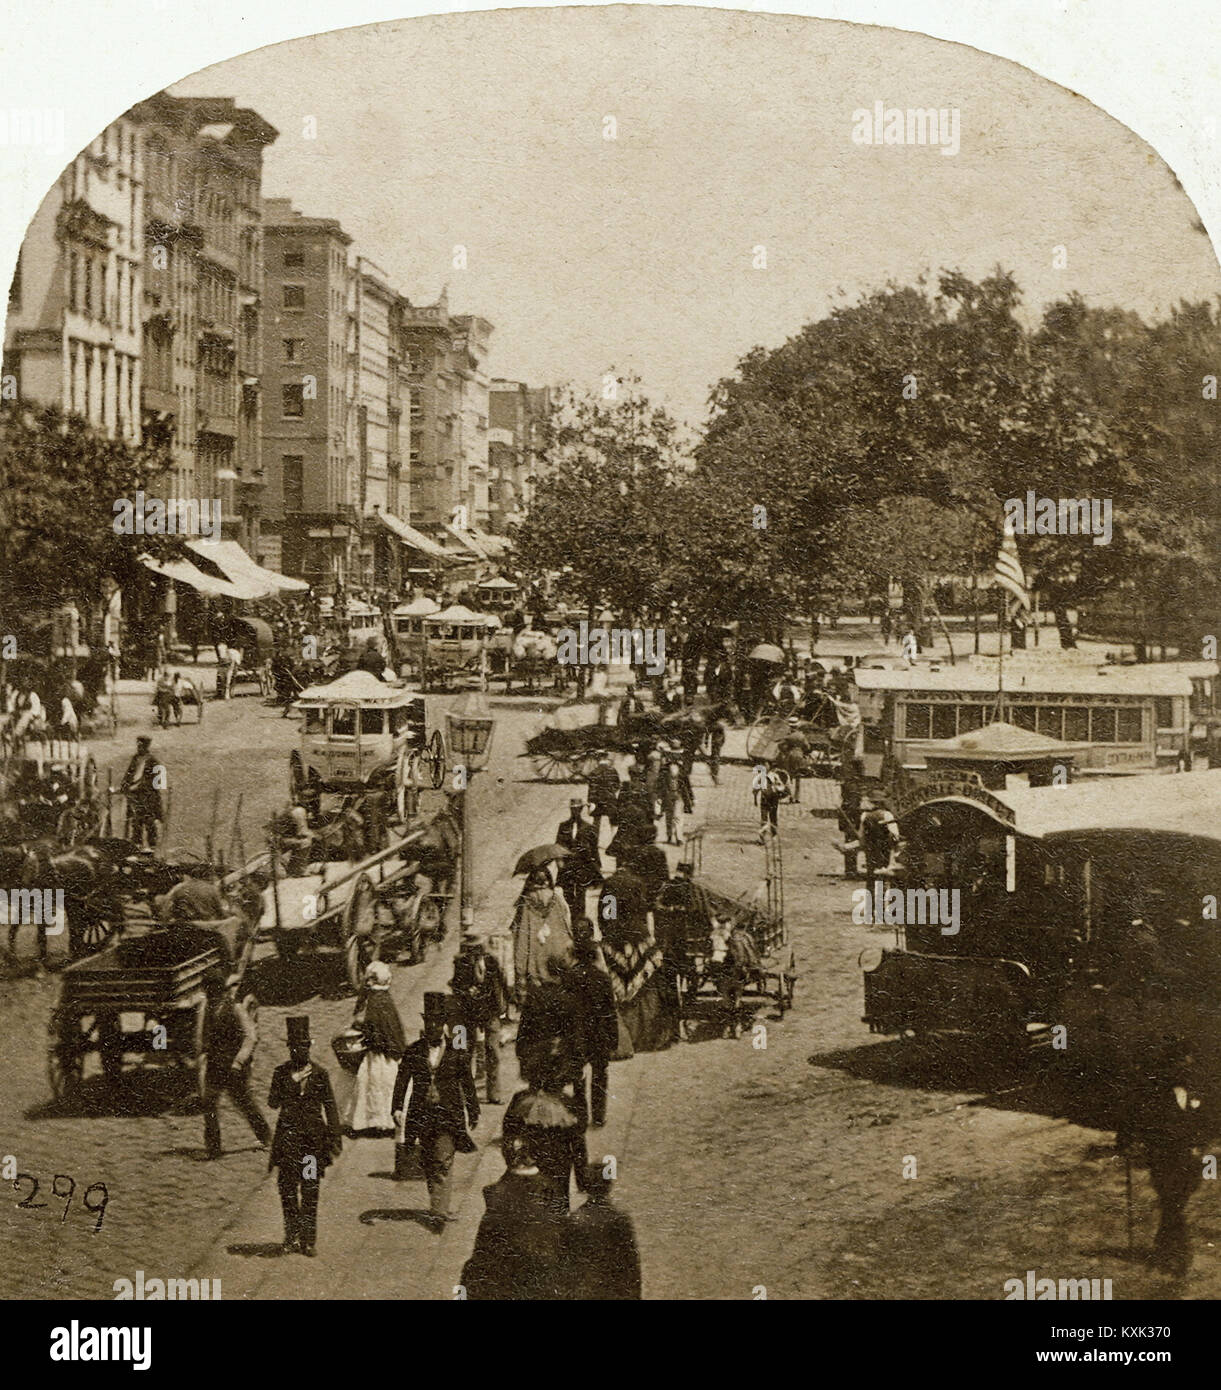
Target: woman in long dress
{"type": "Point", "coordinates": [542, 934]}
{"type": "Point", "coordinates": [370, 1106]}
{"type": "Point", "coordinates": [634, 961]}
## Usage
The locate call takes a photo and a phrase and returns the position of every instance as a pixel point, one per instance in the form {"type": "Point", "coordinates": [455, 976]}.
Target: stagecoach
{"type": "Point", "coordinates": [360, 734]}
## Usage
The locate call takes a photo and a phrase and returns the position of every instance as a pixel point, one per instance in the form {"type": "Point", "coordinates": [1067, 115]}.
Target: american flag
{"type": "Point", "coordinates": [1009, 572]}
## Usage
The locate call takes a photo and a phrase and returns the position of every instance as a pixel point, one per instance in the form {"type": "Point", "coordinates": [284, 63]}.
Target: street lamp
{"type": "Point", "coordinates": [470, 724]}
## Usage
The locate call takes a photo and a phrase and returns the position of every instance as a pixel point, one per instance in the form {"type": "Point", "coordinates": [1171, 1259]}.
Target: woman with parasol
{"type": "Point", "coordinates": [542, 924]}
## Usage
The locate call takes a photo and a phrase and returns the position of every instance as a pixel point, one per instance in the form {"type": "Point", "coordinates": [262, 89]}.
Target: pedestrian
{"type": "Point", "coordinates": [603, 792]}
{"type": "Point", "coordinates": [541, 1121]}
{"type": "Point", "coordinates": [773, 790]}
{"type": "Point", "coordinates": [600, 1023]}
{"type": "Point", "coordinates": [649, 863]}
{"type": "Point", "coordinates": [878, 835]}
{"type": "Point", "coordinates": [634, 962]}
{"type": "Point", "coordinates": [434, 1101]}
{"type": "Point", "coordinates": [163, 699]}
{"type": "Point", "coordinates": [850, 820]}
{"type": "Point", "coordinates": [542, 932]}
{"type": "Point", "coordinates": [582, 870]}
{"type": "Point", "coordinates": [369, 1111]}
{"type": "Point", "coordinates": [481, 997]}
{"type": "Point", "coordinates": [521, 1250]}
{"type": "Point", "coordinates": [229, 1042]}
{"type": "Point", "coordinates": [652, 776]}
{"type": "Point", "coordinates": [718, 728]}
{"type": "Point", "coordinates": [792, 752]}
{"type": "Point", "coordinates": [142, 785]}
{"type": "Point", "coordinates": [222, 669]}
{"type": "Point", "coordinates": [634, 818]}
{"type": "Point", "coordinates": [371, 659]}
{"type": "Point", "coordinates": [1164, 1113]}
{"type": "Point", "coordinates": [670, 798]}
{"type": "Point", "coordinates": [307, 1138]}
{"type": "Point", "coordinates": [690, 736]}
{"type": "Point", "coordinates": [603, 1258]}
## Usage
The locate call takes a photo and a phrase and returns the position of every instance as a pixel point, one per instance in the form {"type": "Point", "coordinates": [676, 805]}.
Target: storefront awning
{"type": "Point", "coordinates": [183, 572]}
{"type": "Point", "coordinates": [231, 559]}
{"type": "Point", "coordinates": [416, 540]}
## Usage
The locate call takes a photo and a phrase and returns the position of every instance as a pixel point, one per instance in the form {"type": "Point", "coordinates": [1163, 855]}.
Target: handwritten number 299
{"type": "Point", "coordinates": [65, 1195]}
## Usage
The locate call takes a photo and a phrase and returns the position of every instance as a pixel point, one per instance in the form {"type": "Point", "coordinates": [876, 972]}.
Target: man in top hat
{"type": "Point", "coordinates": [307, 1138]}
{"type": "Point", "coordinates": [582, 870]}
{"type": "Point", "coordinates": [481, 996]}
{"type": "Point", "coordinates": [142, 785]}
{"type": "Point", "coordinates": [434, 1100]}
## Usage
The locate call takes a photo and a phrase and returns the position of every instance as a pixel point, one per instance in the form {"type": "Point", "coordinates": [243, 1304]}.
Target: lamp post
{"type": "Point", "coordinates": [470, 737]}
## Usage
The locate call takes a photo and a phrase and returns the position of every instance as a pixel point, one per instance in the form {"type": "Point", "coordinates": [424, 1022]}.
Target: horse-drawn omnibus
{"type": "Point", "coordinates": [1084, 907]}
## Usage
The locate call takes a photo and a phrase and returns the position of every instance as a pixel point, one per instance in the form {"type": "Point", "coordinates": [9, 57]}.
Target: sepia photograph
{"type": "Point", "coordinates": [609, 682]}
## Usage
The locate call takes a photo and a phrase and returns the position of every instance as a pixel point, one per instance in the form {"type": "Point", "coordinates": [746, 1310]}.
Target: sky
{"type": "Point", "coordinates": [733, 131]}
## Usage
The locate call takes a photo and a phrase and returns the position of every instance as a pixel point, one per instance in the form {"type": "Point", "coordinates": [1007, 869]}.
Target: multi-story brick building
{"type": "Point", "coordinates": [73, 331]}
{"type": "Point", "coordinates": [515, 416]}
{"type": "Point", "coordinates": [312, 492]}
{"type": "Point", "coordinates": [444, 355]}
{"type": "Point", "coordinates": [203, 287]}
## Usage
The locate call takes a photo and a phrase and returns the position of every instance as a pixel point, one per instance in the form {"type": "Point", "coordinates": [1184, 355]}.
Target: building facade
{"type": "Point", "coordinates": [516, 414]}
{"type": "Point", "coordinates": [73, 335]}
{"type": "Point", "coordinates": [202, 302]}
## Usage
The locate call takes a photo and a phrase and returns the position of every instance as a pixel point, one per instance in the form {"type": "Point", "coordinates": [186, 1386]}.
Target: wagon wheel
{"type": "Point", "coordinates": [359, 921]}
{"type": "Point", "coordinates": [65, 1062]}
{"type": "Point", "coordinates": [94, 931]}
{"type": "Point", "coordinates": [436, 759]}
{"type": "Point", "coordinates": [550, 767]}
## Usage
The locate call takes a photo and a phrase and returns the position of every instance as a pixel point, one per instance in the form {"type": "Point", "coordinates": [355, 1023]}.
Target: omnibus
{"type": "Point", "coordinates": [1121, 719]}
{"type": "Point", "coordinates": [1082, 906]}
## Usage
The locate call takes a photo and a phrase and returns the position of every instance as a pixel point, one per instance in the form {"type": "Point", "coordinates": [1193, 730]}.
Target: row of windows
{"type": "Point", "coordinates": [102, 290]}
{"type": "Point", "coordinates": [1069, 723]}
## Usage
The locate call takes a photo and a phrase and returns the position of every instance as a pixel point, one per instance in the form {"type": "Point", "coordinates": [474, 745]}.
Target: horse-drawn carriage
{"type": "Point", "coordinates": [360, 734]}
{"type": "Point", "coordinates": [49, 788]}
{"type": "Point", "coordinates": [575, 736]}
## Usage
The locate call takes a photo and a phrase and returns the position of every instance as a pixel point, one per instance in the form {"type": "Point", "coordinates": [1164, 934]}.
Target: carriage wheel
{"type": "Point", "coordinates": [91, 936]}
{"type": "Point", "coordinates": [437, 759]}
{"type": "Point", "coordinates": [65, 1062]}
{"type": "Point", "coordinates": [359, 921]}
{"type": "Point", "coordinates": [550, 768]}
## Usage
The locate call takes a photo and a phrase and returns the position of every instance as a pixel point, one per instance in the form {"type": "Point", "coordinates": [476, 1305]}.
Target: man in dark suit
{"type": "Point", "coordinates": [142, 785]}
{"type": "Point", "coordinates": [434, 1100]}
{"type": "Point", "coordinates": [600, 1023]}
{"type": "Point", "coordinates": [604, 792]}
{"type": "Point", "coordinates": [582, 870]}
{"type": "Point", "coordinates": [307, 1138]}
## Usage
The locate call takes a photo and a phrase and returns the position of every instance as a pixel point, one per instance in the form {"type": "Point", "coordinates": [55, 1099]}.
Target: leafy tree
{"type": "Point", "coordinates": [59, 481]}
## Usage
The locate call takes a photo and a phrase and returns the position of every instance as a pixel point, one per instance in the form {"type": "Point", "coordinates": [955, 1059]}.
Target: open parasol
{"type": "Point", "coordinates": [765, 651]}
{"type": "Point", "coordinates": [537, 857]}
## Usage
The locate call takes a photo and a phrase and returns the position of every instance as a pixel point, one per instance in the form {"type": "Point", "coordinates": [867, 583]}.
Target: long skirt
{"type": "Point", "coordinates": [650, 1020]}
{"type": "Point", "coordinates": [369, 1107]}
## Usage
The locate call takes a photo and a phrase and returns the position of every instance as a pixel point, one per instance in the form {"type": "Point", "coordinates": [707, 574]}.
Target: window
{"type": "Point", "coordinates": [1130, 724]}
{"type": "Point", "coordinates": [294, 400]}
{"type": "Point", "coordinates": [294, 482]}
{"type": "Point", "coordinates": [970, 718]}
{"type": "Point", "coordinates": [294, 296]}
{"type": "Point", "coordinates": [1103, 724]}
{"type": "Point", "coordinates": [372, 721]}
{"type": "Point", "coordinates": [1076, 724]}
{"type": "Point", "coordinates": [294, 259]}
{"type": "Point", "coordinates": [1165, 712]}
{"type": "Point", "coordinates": [944, 720]}
{"type": "Point", "coordinates": [293, 349]}
{"type": "Point", "coordinates": [343, 723]}
{"type": "Point", "coordinates": [1050, 721]}
{"type": "Point", "coordinates": [918, 720]}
